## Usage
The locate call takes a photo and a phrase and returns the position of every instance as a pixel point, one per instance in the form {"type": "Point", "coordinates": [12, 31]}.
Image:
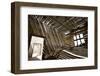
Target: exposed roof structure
{"type": "Point", "coordinates": [58, 32]}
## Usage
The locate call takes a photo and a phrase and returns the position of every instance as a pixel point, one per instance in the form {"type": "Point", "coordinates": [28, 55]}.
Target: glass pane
{"type": "Point", "coordinates": [81, 35]}
{"type": "Point", "coordinates": [79, 42]}
{"type": "Point", "coordinates": [36, 49]}
{"type": "Point", "coordinates": [82, 40]}
{"type": "Point", "coordinates": [77, 36]}
{"type": "Point", "coordinates": [74, 37]}
{"type": "Point", "coordinates": [75, 42]}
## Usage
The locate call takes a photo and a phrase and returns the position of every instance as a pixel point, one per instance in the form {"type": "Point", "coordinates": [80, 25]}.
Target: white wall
{"type": "Point", "coordinates": [5, 35]}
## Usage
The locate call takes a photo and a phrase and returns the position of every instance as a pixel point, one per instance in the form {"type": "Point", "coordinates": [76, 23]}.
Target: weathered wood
{"type": "Point", "coordinates": [53, 30]}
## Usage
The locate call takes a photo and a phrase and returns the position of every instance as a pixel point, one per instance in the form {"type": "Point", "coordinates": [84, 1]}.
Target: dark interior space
{"type": "Point", "coordinates": [65, 37]}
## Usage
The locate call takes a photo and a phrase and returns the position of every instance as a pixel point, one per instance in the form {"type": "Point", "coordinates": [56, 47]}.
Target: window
{"type": "Point", "coordinates": [79, 39]}
{"type": "Point", "coordinates": [36, 49]}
